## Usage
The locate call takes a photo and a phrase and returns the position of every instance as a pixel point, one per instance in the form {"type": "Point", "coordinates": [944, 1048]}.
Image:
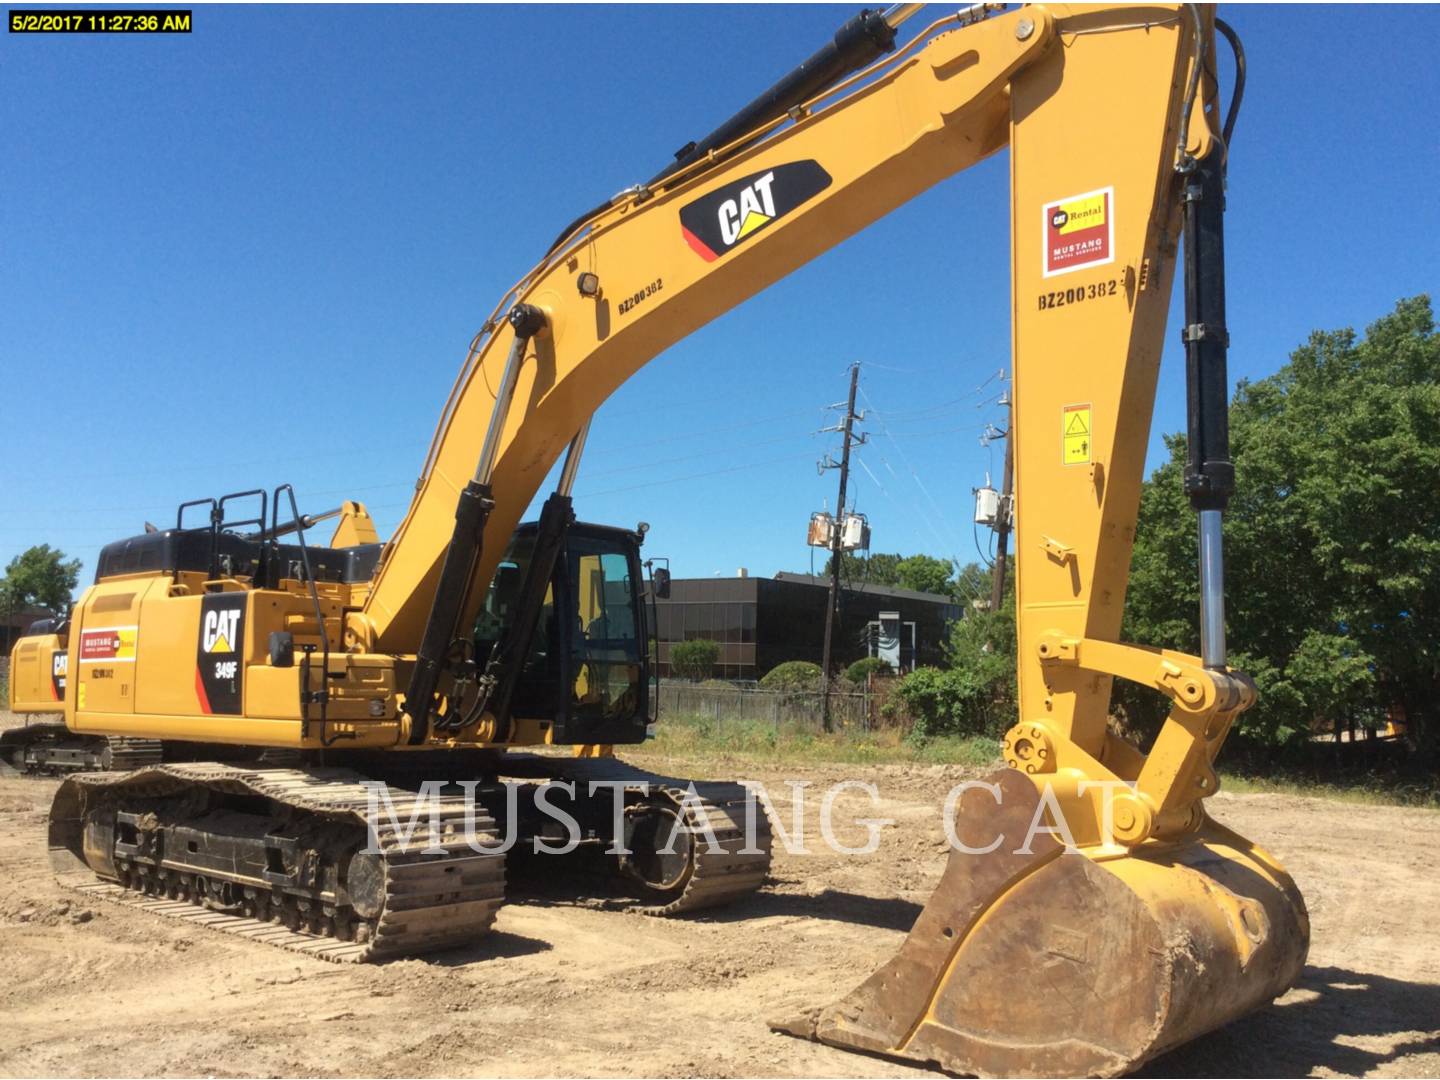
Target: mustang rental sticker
{"type": "Point", "coordinates": [1079, 232]}
{"type": "Point", "coordinates": [112, 643]}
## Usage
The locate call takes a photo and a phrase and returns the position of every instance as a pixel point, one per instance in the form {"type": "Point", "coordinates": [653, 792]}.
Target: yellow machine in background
{"type": "Point", "coordinates": [38, 667]}
{"type": "Point", "coordinates": [1138, 924]}
{"type": "Point", "coordinates": [39, 671]}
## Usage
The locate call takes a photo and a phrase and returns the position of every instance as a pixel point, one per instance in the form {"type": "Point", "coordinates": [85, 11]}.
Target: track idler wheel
{"type": "Point", "coordinates": [1043, 963]}
{"type": "Point", "coordinates": [661, 848]}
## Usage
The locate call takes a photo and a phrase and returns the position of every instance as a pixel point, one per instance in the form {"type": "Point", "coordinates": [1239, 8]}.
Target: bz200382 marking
{"type": "Point", "coordinates": [640, 295]}
{"type": "Point", "coordinates": [1078, 293]}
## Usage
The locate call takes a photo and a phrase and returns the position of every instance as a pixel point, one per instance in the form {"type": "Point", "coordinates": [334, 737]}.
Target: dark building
{"type": "Point", "coordinates": [761, 622]}
{"type": "Point", "coordinates": [14, 625]}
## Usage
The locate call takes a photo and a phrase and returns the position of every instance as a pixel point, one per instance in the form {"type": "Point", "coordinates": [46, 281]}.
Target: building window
{"type": "Point", "coordinates": [732, 622]}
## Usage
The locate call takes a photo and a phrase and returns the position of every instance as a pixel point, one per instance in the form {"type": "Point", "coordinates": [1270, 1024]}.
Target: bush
{"type": "Point", "coordinates": [792, 675]}
{"type": "Point", "coordinates": [693, 660]}
{"type": "Point", "coordinates": [861, 670]}
{"type": "Point", "coordinates": [956, 702]}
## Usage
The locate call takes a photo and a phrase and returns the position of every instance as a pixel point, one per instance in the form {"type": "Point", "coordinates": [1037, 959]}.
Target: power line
{"type": "Point", "coordinates": [212, 466]}
{"type": "Point", "coordinates": [914, 475]}
{"type": "Point", "coordinates": [930, 411]}
{"type": "Point", "coordinates": [691, 476]}
{"type": "Point", "coordinates": [351, 490]}
{"type": "Point", "coordinates": [700, 454]}
{"type": "Point", "coordinates": [955, 561]}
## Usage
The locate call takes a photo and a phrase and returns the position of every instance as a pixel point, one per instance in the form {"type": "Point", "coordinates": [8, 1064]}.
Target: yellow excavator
{"type": "Point", "coordinates": [321, 676]}
{"type": "Point", "coordinates": [39, 669]}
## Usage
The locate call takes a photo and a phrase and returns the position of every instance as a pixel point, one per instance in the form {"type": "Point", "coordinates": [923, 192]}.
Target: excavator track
{"type": "Point", "coordinates": [432, 899]}
{"type": "Point", "coordinates": [724, 863]}
{"type": "Point", "coordinates": [50, 748]}
{"type": "Point", "coordinates": [425, 891]}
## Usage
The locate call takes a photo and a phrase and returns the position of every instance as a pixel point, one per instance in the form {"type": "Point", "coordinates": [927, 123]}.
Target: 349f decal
{"type": "Point", "coordinates": [218, 668]}
{"type": "Point", "coordinates": [724, 219]}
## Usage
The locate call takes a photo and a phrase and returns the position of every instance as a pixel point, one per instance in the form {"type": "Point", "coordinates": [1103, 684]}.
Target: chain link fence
{"type": "Point", "coordinates": [802, 709]}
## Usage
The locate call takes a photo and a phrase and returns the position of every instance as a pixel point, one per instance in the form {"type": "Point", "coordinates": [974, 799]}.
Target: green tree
{"type": "Point", "coordinates": [975, 693]}
{"type": "Point", "coordinates": [924, 573]}
{"type": "Point", "coordinates": [983, 642]}
{"type": "Point", "coordinates": [39, 577]}
{"type": "Point", "coordinates": [972, 582]}
{"type": "Point", "coordinates": [694, 660]}
{"type": "Point", "coordinates": [876, 569]}
{"type": "Point", "coordinates": [1332, 546]}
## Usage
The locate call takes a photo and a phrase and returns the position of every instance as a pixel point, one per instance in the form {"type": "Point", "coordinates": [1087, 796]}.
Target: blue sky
{"type": "Point", "coordinates": [256, 254]}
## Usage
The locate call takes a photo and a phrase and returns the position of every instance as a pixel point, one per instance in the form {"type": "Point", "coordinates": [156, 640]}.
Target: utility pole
{"type": "Point", "coordinates": [1002, 522]}
{"type": "Point", "coordinates": [836, 547]}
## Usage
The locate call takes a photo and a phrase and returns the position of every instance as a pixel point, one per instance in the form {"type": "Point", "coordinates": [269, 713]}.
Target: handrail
{"type": "Point", "coordinates": [298, 526]}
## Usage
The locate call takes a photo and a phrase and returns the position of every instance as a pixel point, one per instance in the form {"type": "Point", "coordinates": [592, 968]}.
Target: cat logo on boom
{"type": "Point", "coordinates": [756, 208]}
{"type": "Point", "coordinates": [728, 216]}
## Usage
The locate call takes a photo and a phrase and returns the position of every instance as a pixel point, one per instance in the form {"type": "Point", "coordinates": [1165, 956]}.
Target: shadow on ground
{"type": "Point", "coordinates": [1324, 1025]}
{"type": "Point", "coordinates": [883, 913]}
{"type": "Point", "coordinates": [496, 945]}
{"type": "Point", "coordinates": [598, 892]}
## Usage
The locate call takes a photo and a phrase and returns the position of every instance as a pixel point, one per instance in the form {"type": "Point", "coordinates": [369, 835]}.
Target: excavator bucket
{"type": "Point", "coordinates": [1032, 961]}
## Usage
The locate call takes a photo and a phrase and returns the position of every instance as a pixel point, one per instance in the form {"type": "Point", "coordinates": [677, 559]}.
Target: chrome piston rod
{"type": "Point", "coordinates": [526, 322]}
{"type": "Point", "coordinates": [1212, 590]}
{"type": "Point", "coordinates": [572, 460]}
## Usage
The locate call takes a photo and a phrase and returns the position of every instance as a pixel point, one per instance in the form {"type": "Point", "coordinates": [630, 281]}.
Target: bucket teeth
{"type": "Point", "coordinates": [1028, 960]}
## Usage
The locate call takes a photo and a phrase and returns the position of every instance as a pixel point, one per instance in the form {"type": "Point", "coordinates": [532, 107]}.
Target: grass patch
{"type": "Point", "coordinates": [704, 737]}
{"type": "Point", "coordinates": [1363, 790]}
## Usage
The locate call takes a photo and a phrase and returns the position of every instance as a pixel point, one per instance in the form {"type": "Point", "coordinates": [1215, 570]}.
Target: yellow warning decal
{"type": "Point", "coordinates": [1075, 434]}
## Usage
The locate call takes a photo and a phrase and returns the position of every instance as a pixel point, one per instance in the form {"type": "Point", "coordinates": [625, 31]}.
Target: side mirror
{"type": "Point", "coordinates": [660, 582]}
{"type": "Point", "coordinates": [282, 648]}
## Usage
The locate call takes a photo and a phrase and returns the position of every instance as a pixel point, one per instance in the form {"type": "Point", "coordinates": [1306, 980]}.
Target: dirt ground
{"type": "Point", "coordinates": [566, 987]}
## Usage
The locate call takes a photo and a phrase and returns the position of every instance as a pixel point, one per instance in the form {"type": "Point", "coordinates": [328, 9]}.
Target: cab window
{"type": "Point", "coordinates": [605, 648]}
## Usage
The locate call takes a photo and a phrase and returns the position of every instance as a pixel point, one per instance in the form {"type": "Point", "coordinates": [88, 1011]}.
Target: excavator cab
{"type": "Point", "coordinates": [587, 668]}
